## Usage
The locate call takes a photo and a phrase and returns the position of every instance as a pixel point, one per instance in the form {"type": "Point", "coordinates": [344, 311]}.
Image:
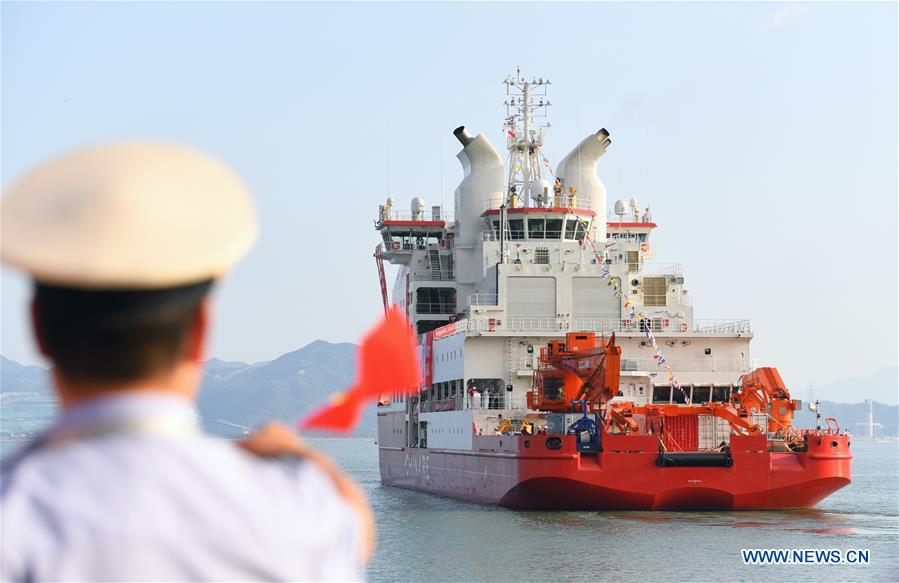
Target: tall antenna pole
{"type": "Point", "coordinates": [526, 101]}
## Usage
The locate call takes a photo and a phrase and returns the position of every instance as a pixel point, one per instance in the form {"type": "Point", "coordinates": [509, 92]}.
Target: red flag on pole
{"type": "Point", "coordinates": [388, 362]}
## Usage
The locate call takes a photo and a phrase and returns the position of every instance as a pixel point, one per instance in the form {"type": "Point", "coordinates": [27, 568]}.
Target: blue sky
{"type": "Point", "coordinates": [763, 135]}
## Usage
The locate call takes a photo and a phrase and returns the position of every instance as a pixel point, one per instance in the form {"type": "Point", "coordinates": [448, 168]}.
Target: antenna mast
{"type": "Point", "coordinates": [525, 102]}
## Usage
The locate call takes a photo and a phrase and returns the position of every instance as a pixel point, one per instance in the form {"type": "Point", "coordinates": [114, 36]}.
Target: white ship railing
{"type": "Point", "coordinates": [525, 236]}
{"type": "Point", "coordinates": [398, 215]}
{"type": "Point", "coordinates": [734, 365]}
{"type": "Point", "coordinates": [477, 401]}
{"type": "Point", "coordinates": [657, 325]}
{"type": "Point", "coordinates": [428, 275]}
{"type": "Point", "coordinates": [482, 299]}
{"type": "Point", "coordinates": [650, 269]}
{"type": "Point", "coordinates": [564, 201]}
{"type": "Point", "coordinates": [721, 326]}
{"type": "Point", "coordinates": [435, 308]}
{"type": "Point", "coordinates": [629, 218]}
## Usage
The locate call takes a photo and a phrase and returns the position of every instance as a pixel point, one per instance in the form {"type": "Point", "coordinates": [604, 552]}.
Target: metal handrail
{"type": "Point", "coordinates": [629, 218]}
{"type": "Point", "coordinates": [435, 308]}
{"type": "Point", "coordinates": [651, 269]}
{"type": "Point", "coordinates": [429, 275]}
{"type": "Point", "coordinates": [398, 215]}
{"type": "Point", "coordinates": [483, 299]}
{"type": "Point", "coordinates": [574, 202]}
{"type": "Point", "coordinates": [606, 325]}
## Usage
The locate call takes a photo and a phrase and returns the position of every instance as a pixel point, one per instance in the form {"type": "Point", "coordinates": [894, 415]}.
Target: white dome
{"type": "Point", "coordinates": [634, 204]}
{"type": "Point", "coordinates": [540, 187]}
{"type": "Point", "coordinates": [418, 204]}
{"type": "Point", "coordinates": [620, 207]}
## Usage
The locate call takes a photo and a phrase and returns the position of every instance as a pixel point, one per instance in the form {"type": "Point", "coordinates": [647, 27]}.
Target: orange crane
{"type": "Point", "coordinates": [583, 373]}
{"type": "Point", "coordinates": [763, 391]}
{"type": "Point", "coordinates": [577, 370]}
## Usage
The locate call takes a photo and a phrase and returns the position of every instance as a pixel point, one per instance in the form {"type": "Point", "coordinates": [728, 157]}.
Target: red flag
{"type": "Point", "coordinates": [388, 362]}
{"type": "Point", "coordinates": [512, 133]}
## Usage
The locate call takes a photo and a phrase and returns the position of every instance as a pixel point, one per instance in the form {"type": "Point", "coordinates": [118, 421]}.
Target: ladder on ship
{"type": "Point", "coordinates": [379, 261]}
{"type": "Point", "coordinates": [434, 263]}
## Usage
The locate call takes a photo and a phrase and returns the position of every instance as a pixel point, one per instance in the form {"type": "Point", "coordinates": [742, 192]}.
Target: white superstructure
{"type": "Point", "coordinates": [521, 263]}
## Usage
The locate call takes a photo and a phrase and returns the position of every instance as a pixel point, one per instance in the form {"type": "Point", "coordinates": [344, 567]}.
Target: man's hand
{"type": "Point", "coordinates": [276, 440]}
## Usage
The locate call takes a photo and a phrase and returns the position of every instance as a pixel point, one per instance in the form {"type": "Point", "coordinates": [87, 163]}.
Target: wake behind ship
{"type": "Point", "coordinates": [563, 369]}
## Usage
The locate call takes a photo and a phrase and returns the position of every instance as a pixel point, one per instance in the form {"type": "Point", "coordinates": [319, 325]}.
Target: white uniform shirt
{"type": "Point", "coordinates": [128, 488]}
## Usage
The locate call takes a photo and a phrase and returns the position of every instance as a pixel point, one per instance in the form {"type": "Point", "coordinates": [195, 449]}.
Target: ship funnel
{"type": "Point", "coordinates": [463, 136]}
{"type": "Point", "coordinates": [480, 189]}
{"type": "Point", "coordinates": [578, 170]}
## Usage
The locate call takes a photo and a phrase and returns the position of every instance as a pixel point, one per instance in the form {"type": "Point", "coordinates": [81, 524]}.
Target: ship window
{"type": "Point", "coordinates": [516, 229]}
{"type": "Point", "coordinates": [553, 228]}
{"type": "Point", "coordinates": [581, 231]}
{"type": "Point", "coordinates": [496, 228]}
{"type": "Point", "coordinates": [701, 394]}
{"type": "Point", "coordinates": [435, 300]}
{"type": "Point", "coordinates": [721, 394]}
{"type": "Point", "coordinates": [541, 255]}
{"type": "Point", "coordinates": [661, 394]}
{"type": "Point", "coordinates": [552, 388]}
{"type": "Point", "coordinates": [536, 228]}
{"type": "Point", "coordinates": [654, 291]}
{"type": "Point", "coordinates": [570, 228]}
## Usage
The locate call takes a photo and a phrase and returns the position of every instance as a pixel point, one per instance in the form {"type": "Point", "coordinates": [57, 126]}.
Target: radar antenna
{"type": "Point", "coordinates": [526, 105]}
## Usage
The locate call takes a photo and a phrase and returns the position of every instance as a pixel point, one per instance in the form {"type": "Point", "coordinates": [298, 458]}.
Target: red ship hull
{"type": "Point", "coordinates": [522, 472]}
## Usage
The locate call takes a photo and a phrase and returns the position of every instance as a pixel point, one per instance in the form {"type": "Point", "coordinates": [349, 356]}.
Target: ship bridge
{"type": "Point", "coordinates": [406, 231]}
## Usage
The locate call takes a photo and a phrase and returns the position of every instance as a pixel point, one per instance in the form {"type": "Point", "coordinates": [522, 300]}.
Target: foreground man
{"type": "Point", "coordinates": [124, 244]}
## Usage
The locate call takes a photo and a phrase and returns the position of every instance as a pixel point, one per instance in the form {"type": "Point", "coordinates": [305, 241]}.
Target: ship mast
{"type": "Point", "coordinates": [525, 103]}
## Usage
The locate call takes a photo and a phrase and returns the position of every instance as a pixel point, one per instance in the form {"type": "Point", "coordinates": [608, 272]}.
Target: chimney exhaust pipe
{"type": "Point", "coordinates": [463, 136]}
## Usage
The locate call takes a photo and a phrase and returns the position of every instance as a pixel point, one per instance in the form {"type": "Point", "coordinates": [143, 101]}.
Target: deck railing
{"type": "Point", "coordinates": [566, 201]}
{"type": "Point", "coordinates": [604, 325]}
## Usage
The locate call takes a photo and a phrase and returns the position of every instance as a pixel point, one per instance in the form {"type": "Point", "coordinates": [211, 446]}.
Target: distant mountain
{"type": "Point", "coordinates": [238, 393]}
{"type": "Point", "coordinates": [881, 386]}
{"type": "Point", "coordinates": [21, 378]}
{"type": "Point", "coordinates": [286, 388]}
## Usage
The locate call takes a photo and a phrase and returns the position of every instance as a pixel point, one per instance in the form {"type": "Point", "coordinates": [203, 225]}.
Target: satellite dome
{"type": "Point", "coordinates": [418, 204]}
{"type": "Point", "coordinates": [620, 207]}
{"type": "Point", "coordinates": [634, 204]}
{"type": "Point", "coordinates": [539, 187]}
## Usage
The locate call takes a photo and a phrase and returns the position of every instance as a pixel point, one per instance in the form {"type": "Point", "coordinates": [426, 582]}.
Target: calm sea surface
{"type": "Point", "coordinates": [422, 537]}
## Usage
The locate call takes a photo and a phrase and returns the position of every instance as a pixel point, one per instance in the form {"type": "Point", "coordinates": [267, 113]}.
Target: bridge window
{"type": "Point", "coordinates": [536, 228]}
{"type": "Point", "coordinates": [516, 229]}
{"type": "Point", "coordinates": [571, 228]}
{"type": "Point", "coordinates": [554, 228]}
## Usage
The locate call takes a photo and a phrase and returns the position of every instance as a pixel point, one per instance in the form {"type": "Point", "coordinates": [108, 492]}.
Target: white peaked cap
{"type": "Point", "coordinates": [130, 216]}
